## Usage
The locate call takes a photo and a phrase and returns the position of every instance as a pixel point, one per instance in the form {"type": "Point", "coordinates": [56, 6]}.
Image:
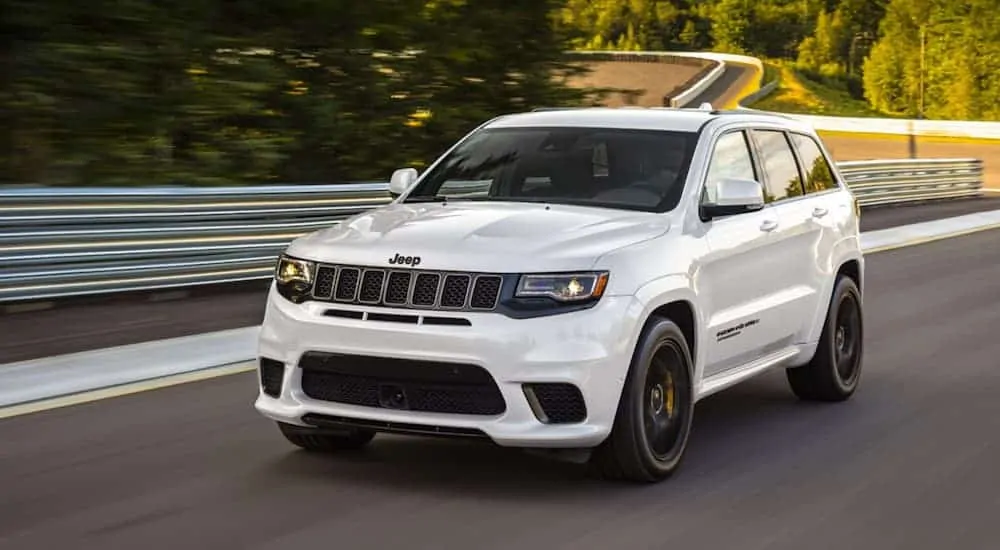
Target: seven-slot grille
{"type": "Point", "coordinates": [407, 288]}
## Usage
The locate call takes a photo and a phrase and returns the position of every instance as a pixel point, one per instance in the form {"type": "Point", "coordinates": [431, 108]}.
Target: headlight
{"type": "Point", "coordinates": [294, 278]}
{"type": "Point", "coordinates": [564, 287]}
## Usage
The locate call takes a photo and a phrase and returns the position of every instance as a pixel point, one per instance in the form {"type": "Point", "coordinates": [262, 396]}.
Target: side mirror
{"type": "Point", "coordinates": [401, 180]}
{"type": "Point", "coordinates": [729, 196]}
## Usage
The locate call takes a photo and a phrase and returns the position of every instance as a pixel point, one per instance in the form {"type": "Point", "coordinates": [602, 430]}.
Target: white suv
{"type": "Point", "coordinates": [572, 280]}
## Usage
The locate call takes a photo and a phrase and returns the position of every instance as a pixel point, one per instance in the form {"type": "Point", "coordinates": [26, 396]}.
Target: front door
{"type": "Point", "coordinates": [740, 278]}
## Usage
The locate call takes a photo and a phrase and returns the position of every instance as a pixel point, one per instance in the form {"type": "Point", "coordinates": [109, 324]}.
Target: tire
{"type": "Point", "coordinates": [834, 372]}
{"type": "Point", "coordinates": [658, 385]}
{"type": "Point", "coordinates": [322, 441]}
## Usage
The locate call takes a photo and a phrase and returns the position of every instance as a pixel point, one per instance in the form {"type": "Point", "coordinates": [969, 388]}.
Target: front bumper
{"type": "Point", "coordinates": [590, 349]}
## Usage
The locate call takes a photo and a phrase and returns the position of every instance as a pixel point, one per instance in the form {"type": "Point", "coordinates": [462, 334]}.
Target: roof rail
{"type": "Point", "coordinates": [755, 112]}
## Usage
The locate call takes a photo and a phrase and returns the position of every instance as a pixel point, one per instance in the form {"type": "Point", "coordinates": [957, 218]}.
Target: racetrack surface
{"type": "Point", "coordinates": [651, 81]}
{"type": "Point", "coordinates": [909, 463]}
{"type": "Point", "coordinates": [728, 88]}
{"type": "Point", "coordinates": [101, 322]}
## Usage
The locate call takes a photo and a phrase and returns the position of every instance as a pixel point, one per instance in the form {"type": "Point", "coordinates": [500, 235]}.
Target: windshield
{"type": "Point", "coordinates": [631, 169]}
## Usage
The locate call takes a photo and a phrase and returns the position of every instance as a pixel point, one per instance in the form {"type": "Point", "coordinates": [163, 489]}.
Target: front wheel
{"type": "Point", "coordinates": [653, 421]}
{"type": "Point", "coordinates": [835, 370]}
{"type": "Point", "coordinates": [315, 440]}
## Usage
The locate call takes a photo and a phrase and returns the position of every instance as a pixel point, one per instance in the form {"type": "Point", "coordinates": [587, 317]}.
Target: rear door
{"type": "Point", "coordinates": [792, 268]}
{"type": "Point", "coordinates": [828, 214]}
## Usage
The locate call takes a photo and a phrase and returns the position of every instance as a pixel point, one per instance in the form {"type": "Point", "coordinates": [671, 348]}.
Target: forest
{"type": "Point", "coordinates": [216, 92]}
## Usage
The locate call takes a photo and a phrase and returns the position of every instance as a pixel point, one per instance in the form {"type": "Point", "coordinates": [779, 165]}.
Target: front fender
{"type": "Point", "coordinates": [670, 289]}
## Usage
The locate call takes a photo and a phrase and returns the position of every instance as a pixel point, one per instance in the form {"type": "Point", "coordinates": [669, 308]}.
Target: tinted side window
{"type": "Point", "coordinates": [731, 158]}
{"type": "Point", "coordinates": [783, 180]}
{"type": "Point", "coordinates": [819, 176]}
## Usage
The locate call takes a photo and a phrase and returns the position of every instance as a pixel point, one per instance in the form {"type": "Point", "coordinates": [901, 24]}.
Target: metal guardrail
{"type": "Point", "coordinates": [881, 182]}
{"type": "Point", "coordinates": [61, 242]}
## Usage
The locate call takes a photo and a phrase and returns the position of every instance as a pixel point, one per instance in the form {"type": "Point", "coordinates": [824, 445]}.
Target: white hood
{"type": "Point", "coordinates": [481, 236]}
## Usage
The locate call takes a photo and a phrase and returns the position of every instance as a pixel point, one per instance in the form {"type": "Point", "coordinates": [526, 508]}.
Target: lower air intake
{"type": "Point", "coordinates": [556, 403]}
{"type": "Point", "coordinates": [401, 384]}
{"type": "Point", "coordinates": [271, 373]}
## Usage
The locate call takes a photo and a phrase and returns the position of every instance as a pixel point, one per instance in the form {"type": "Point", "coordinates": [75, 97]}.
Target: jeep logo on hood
{"type": "Point", "coordinates": [405, 260]}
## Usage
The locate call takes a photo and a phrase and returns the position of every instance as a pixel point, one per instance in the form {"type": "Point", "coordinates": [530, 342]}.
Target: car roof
{"type": "Point", "coordinates": [640, 118]}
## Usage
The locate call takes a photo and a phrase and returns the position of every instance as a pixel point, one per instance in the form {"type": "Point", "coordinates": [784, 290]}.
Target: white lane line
{"type": "Point", "coordinates": [114, 372]}
{"type": "Point", "coordinates": [125, 389]}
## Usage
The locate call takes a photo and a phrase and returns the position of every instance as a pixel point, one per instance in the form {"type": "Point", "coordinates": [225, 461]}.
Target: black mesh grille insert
{"type": "Point", "coordinates": [271, 373]}
{"type": "Point", "coordinates": [340, 388]}
{"type": "Point", "coordinates": [425, 386]}
{"type": "Point", "coordinates": [324, 282]}
{"type": "Point", "coordinates": [371, 286]}
{"type": "Point", "coordinates": [398, 288]}
{"type": "Point", "coordinates": [425, 289]}
{"type": "Point", "coordinates": [404, 288]}
{"type": "Point", "coordinates": [347, 284]}
{"type": "Point", "coordinates": [560, 403]}
{"type": "Point", "coordinates": [456, 287]}
{"type": "Point", "coordinates": [485, 292]}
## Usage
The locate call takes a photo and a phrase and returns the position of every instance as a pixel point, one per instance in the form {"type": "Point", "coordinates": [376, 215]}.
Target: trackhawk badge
{"type": "Point", "coordinates": [413, 261]}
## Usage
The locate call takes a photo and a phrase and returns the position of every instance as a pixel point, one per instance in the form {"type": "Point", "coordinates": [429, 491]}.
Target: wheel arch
{"type": "Point", "coordinates": [682, 313]}
{"type": "Point", "coordinates": [673, 298]}
{"type": "Point", "coordinates": [851, 266]}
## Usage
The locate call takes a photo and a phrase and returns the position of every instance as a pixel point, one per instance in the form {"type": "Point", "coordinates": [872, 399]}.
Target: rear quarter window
{"type": "Point", "coordinates": [819, 174]}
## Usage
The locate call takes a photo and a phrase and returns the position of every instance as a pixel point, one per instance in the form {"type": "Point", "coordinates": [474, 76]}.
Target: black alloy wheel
{"type": "Point", "coordinates": [834, 372]}
{"type": "Point", "coordinates": [653, 421]}
{"type": "Point", "coordinates": [662, 413]}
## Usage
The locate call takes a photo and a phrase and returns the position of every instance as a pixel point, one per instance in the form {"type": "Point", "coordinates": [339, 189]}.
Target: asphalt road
{"type": "Point", "coordinates": [102, 322]}
{"type": "Point", "coordinates": [727, 89]}
{"type": "Point", "coordinates": [909, 463]}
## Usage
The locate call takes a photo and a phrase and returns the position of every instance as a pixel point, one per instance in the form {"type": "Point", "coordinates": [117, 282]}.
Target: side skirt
{"type": "Point", "coordinates": [791, 356]}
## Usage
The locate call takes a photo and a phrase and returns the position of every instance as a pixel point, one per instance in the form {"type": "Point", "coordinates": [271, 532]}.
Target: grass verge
{"type": "Point", "coordinates": [798, 94]}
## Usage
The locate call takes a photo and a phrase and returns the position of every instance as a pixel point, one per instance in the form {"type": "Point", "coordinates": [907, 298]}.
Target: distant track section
{"type": "Point", "coordinates": [725, 92]}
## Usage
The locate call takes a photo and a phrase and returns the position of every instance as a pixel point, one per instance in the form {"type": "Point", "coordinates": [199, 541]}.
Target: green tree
{"type": "Point", "coordinates": [954, 77]}
{"type": "Point", "coordinates": [120, 92]}
{"type": "Point", "coordinates": [731, 21]}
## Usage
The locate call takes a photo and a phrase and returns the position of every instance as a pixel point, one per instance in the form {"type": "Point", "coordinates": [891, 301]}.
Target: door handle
{"type": "Point", "coordinates": [769, 225]}
{"type": "Point", "coordinates": [819, 212]}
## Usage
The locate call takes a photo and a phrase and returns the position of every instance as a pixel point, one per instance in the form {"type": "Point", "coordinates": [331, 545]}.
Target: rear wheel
{"type": "Point", "coordinates": [315, 440]}
{"type": "Point", "coordinates": [654, 415]}
{"type": "Point", "coordinates": [835, 370]}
